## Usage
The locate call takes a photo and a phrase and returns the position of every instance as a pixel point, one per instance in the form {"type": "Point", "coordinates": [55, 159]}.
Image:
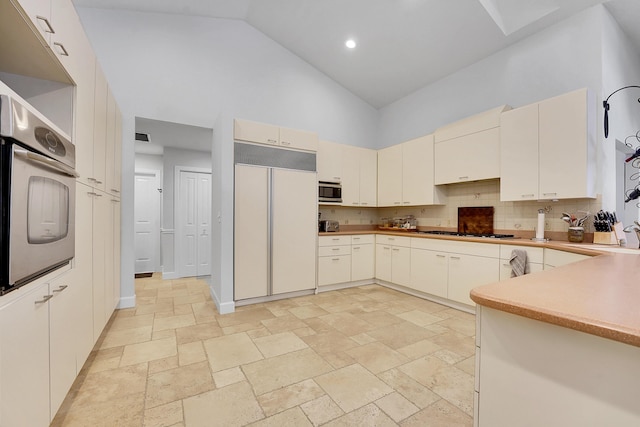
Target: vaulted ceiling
{"type": "Point", "coordinates": [402, 45]}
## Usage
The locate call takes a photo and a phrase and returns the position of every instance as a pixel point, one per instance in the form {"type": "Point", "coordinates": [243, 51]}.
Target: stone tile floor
{"type": "Point", "coordinates": [366, 356]}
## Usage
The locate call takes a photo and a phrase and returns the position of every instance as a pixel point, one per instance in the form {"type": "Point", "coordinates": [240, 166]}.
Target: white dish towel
{"type": "Point", "coordinates": [518, 262]}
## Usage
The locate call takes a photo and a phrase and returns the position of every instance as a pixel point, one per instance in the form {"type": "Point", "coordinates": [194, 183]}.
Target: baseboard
{"type": "Point", "coordinates": [169, 275]}
{"type": "Point", "coordinates": [223, 307]}
{"type": "Point", "coordinates": [127, 302]}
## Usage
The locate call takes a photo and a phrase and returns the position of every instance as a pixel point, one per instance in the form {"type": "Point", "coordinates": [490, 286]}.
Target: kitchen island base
{"type": "Point", "coordinates": [531, 373]}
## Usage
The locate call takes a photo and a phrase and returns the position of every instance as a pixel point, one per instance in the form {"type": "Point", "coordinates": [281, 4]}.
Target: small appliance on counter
{"type": "Point", "coordinates": [327, 225]}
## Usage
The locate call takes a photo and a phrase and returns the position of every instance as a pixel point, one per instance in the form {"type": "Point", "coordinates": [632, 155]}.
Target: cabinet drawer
{"type": "Point", "coordinates": [535, 255]}
{"type": "Point", "coordinates": [394, 240]}
{"type": "Point", "coordinates": [335, 269]}
{"type": "Point", "coordinates": [324, 251]}
{"type": "Point", "coordinates": [334, 240]}
{"type": "Point", "coordinates": [363, 239]}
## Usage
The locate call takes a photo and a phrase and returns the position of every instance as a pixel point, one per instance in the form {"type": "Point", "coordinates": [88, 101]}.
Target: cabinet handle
{"type": "Point", "coordinates": [363, 203]}
{"type": "Point", "coordinates": [272, 141]}
{"type": "Point", "coordinates": [386, 248]}
{"type": "Point", "coordinates": [440, 256]}
{"type": "Point", "coordinates": [285, 143]}
{"type": "Point", "coordinates": [61, 288]}
{"type": "Point", "coordinates": [115, 191]}
{"type": "Point", "coordinates": [115, 200]}
{"type": "Point", "coordinates": [396, 249]}
{"type": "Point", "coordinates": [337, 178]}
{"type": "Point", "coordinates": [407, 203]}
{"type": "Point", "coordinates": [463, 177]}
{"type": "Point", "coordinates": [45, 21]}
{"type": "Point", "coordinates": [528, 195]}
{"type": "Point", "coordinates": [506, 265]}
{"type": "Point", "coordinates": [354, 203]}
{"type": "Point", "coordinates": [335, 259]}
{"type": "Point", "coordinates": [549, 194]}
{"type": "Point", "coordinates": [356, 238]}
{"type": "Point", "coordinates": [391, 238]}
{"type": "Point", "coordinates": [336, 239]}
{"type": "Point", "coordinates": [397, 203]}
{"type": "Point", "coordinates": [355, 248]}
{"type": "Point", "coordinates": [44, 299]}
{"type": "Point", "coordinates": [335, 249]}
{"type": "Point", "coordinates": [455, 257]}
{"type": "Point", "coordinates": [61, 49]}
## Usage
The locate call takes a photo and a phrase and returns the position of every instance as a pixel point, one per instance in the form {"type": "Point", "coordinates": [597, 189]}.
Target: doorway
{"type": "Point", "coordinates": [147, 221]}
{"type": "Point", "coordinates": [193, 221]}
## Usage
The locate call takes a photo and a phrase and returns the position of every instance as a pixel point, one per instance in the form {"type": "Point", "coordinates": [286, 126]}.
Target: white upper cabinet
{"type": "Point", "coordinates": [519, 154]}
{"type": "Point", "coordinates": [469, 150]}
{"type": "Point", "coordinates": [390, 176]}
{"type": "Point", "coordinates": [543, 142]}
{"type": "Point", "coordinates": [418, 173]}
{"type": "Point", "coordinates": [405, 174]}
{"type": "Point", "coordinates": [359, 173]}
{"type": "Point", "coordinates": [262, 133]}
{"type": "Point", "coordinates": [39, 12]}
{"type": "Point", "coordinates": [329, 161]}
{"type": "Point", "coordinates": [567, 146]}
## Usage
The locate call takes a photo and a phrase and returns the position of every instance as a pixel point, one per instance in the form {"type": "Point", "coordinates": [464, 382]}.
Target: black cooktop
{"type": "Point", "coordinates": [455, 233]}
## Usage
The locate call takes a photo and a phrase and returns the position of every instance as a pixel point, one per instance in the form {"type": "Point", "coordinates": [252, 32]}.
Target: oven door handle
{"type": "Point", "coordinates": [61, 167]}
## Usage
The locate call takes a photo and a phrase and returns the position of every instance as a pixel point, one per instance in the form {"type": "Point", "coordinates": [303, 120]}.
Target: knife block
{"type": "Point", "coordinates": [605, 238]}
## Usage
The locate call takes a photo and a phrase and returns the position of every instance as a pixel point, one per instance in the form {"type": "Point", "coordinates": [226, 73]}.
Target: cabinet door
{"type": "Point", "coordinates": [468, 158]}
{"type": "Point", "coordinates": [334, 269]}
{"type": "Point", "coordinates": [566, 146]}
{"type": "Point", "coordinates": [383, 262]}
{"type": "Point", "coordinates": [116, 182]}
{"type": "Point", "coordinates": [390, 176]}
{"type": "Point", "coordinates": [401, 265]}
{"type": "Point", "coordinates": [429, 272]}
{"type": "Point", "coordinates": [84, 119]}
{"type": "Point", "coordinates": [368, 177]}
{"type": "Point", "coordinates": [417, 171]}
{"type": "Point", "coordinates": [294, 230]}
{"type": "Point", "coordinates": [67, 42]}
{"type": "Point", "coordinates": [24, 359]}
{"type": "Point", "coordinates": [350, 175]}
{"type": "Point", "coordinates": [519, 154]}
{"type": "Point", "coordinates": [39, 12]}
{"type": "Point", "coordinates": [101, 214]}
{"type": "Point", "coordinates": [98, 177]}
{"type": "Point", "coordinates": [300, 139]}
{"type": "Point", "coordinates": [362, 262]}
{"type": "Point", "coordinates": [110, 147]}
{"type": "Point", "coordinates": [115, 204]}
{"type": "Point", "coordinates": [244, 130]}
{"type": "Point", "coordinates": [329, 161]}
{"type": "Point", "coordinates": [63, 325]}
{"type": "Point", "coordinates": [83, 267]}
{"type": "Point", "coordinates": [467, 272]}
{"type": "Point", "coordinates": [251, 232]}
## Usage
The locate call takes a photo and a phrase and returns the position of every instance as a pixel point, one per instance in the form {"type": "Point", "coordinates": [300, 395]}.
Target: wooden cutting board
{"type": "Point", "coordinates": [475, 220]}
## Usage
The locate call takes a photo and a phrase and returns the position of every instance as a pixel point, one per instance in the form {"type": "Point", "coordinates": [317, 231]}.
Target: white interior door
{"type": "Point", "coordinates": [147, 221]}
{"type": "Point", "coordinates": [194, 216]}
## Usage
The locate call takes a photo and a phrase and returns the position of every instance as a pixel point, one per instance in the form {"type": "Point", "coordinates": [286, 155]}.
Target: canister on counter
{"type": "Point", "coordinates": [576, 234]}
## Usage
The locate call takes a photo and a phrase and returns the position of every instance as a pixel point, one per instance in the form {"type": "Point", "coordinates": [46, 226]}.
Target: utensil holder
{"type": "Point", "coordinates": [575, 234]}
{"type": "Point", "coordinates": [605, 238]}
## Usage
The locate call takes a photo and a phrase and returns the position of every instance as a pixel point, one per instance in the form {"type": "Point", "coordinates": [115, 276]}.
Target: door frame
{"type": "Point", "coordinates": [157, 250]}
{"type": "Point", "coordinates": [177, 247]}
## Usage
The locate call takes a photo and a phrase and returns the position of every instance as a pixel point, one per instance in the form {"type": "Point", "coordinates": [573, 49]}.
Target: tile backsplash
{"type": "Point", "coordinates": [521, 216]}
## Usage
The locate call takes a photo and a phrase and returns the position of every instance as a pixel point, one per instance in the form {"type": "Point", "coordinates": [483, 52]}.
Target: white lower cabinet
{"type": "Point", "coordinates": [450, 269]}
{"type": "Point", "coordinates": [393, 259]}
{"type": "Point", "coordinates": [343, 259]}
{"type": "Point", "coordinates": [535, 257]}
{"type": "Point", "coordinates": [363, 257]}
{"type": "Point", "coordinates": [554, 258]}
{"type": "Point", "coordinates": [38, 361]}
{"type": "Point", "coordinates": [429, 272]}
{"type": "Point", "coordinates": [24, 359]}
{"type": "Point", "coordinates": [467, 272]}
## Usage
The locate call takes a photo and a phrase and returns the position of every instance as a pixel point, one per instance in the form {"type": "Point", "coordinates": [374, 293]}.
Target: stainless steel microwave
{"type": "Point", "coordinates": [329, 192]}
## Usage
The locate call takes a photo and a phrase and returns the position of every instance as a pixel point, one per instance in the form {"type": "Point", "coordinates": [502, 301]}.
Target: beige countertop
{"type": "Point", "coordinates": [599, 295]}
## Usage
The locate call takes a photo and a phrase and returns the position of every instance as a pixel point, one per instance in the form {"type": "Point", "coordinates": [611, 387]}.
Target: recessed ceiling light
{"type": "Point", "coordinates": [351, 43]}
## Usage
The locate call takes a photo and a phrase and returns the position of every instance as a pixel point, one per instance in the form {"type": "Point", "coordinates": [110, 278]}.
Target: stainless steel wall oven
{"type": "Point", "coordinates": [37, 196]}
